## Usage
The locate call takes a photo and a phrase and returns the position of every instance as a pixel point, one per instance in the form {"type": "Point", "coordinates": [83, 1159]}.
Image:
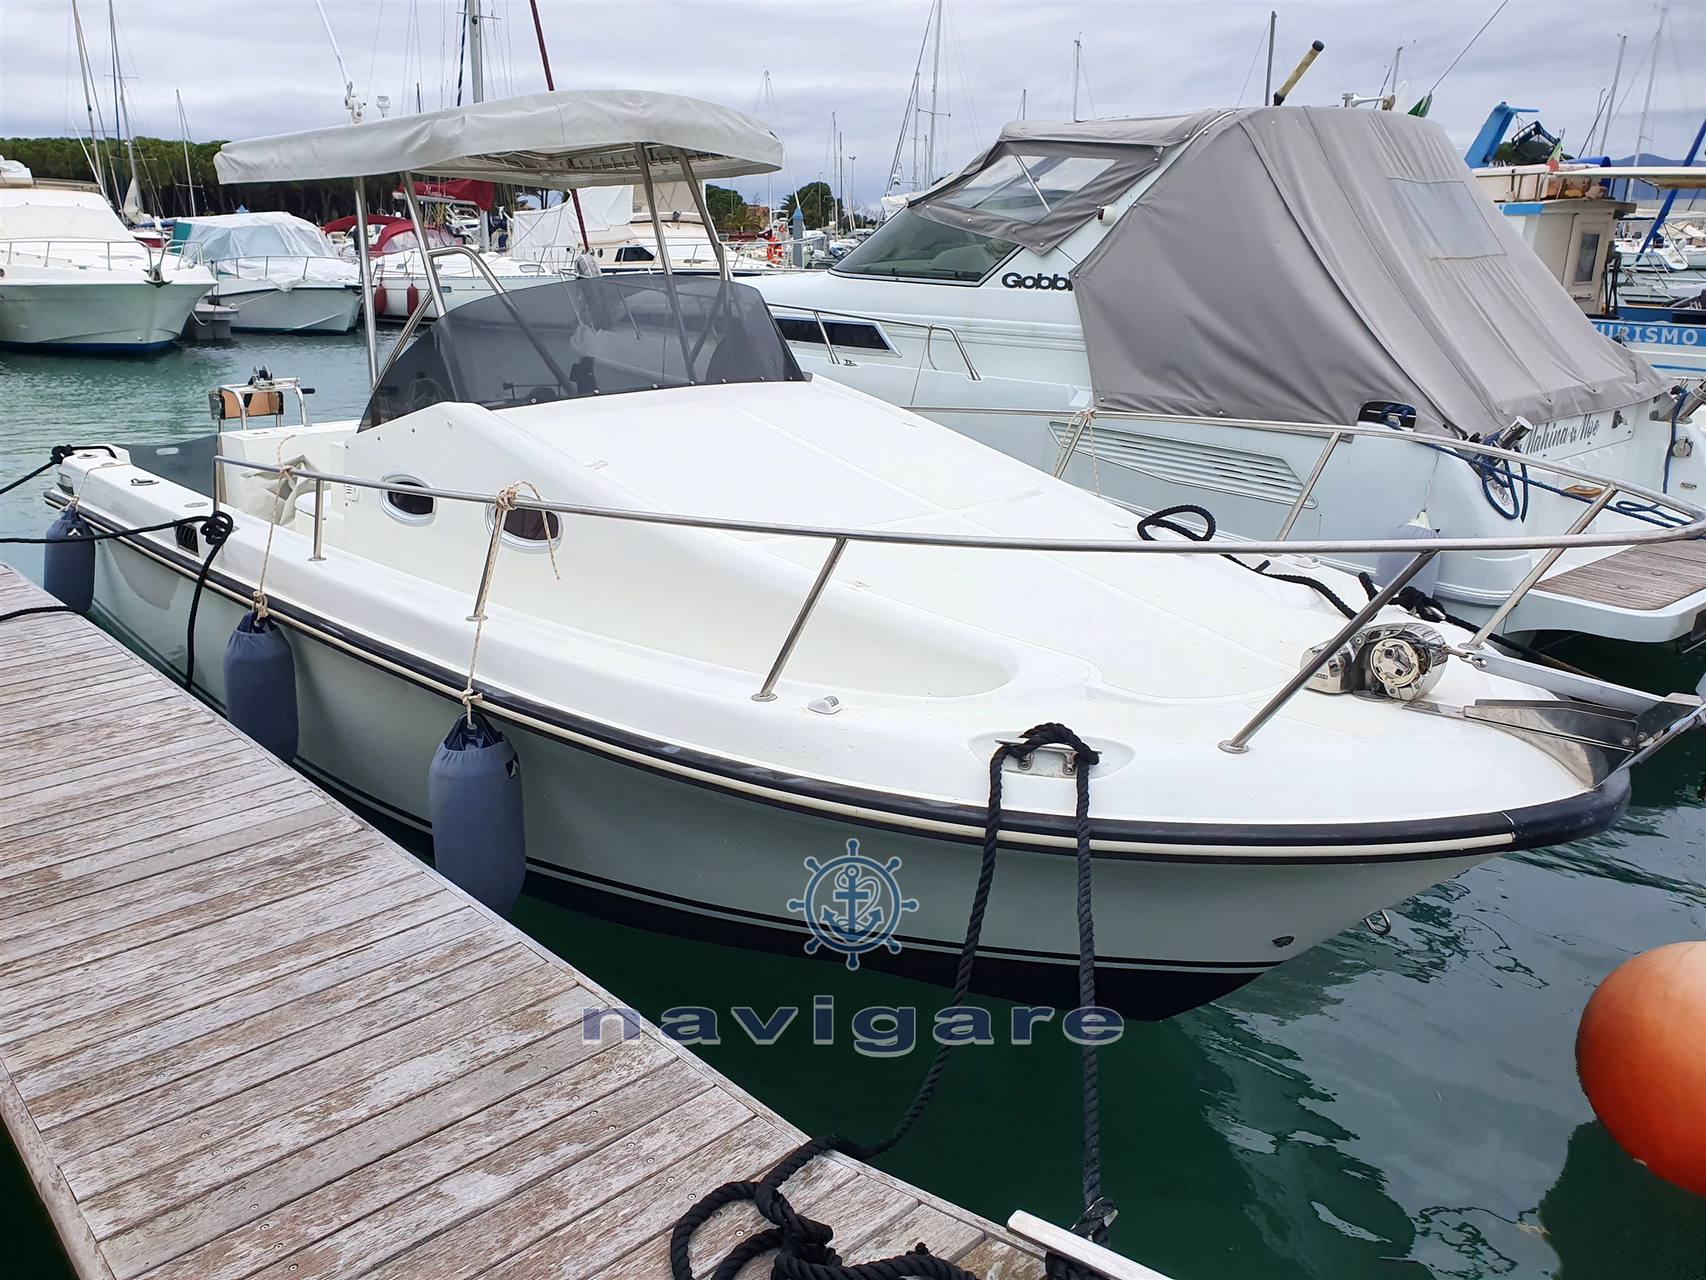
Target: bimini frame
{"type": "Point", "coordinates": [562, 140]}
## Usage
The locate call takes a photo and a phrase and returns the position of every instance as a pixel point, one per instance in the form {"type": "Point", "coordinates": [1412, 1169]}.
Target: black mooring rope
{"type": "Point", "coordinates": [801, 1244]}
{"type": "Point", "coordinates": [1159, 520]}
{"type": "Point", "coordinates": [35, 609]}
{"type": "Point", "coordinates": [215, 529]}
{"type": "Point", "coordinates": [57, 455]}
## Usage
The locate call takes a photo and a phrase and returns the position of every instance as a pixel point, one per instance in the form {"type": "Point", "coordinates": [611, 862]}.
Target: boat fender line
{"type": "Point", "coordinates": [802, 1245]}
{"type": "Point", "coordinates": [260, 684]}
{"type": "Point", "coordinates": [1162, 519]}
{"type": "Point", "coordinates": [474, 801]}
{"type": "Point", "coordinates": [479, 839]}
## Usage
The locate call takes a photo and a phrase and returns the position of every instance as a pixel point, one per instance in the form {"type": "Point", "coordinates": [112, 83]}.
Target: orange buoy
{"type": "Point", "coordinates": [1641, 1056]}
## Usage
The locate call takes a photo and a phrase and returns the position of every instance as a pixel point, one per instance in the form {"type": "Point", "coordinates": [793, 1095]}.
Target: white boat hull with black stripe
{"type": "Point", "coordinates": [753, 616]}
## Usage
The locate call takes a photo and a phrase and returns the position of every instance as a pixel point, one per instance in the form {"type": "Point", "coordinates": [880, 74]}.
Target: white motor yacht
{"type": "Point", "coordinates": [738, 620]}
{"type": "Point", "coordinates": [73, 278]}
{"type": "Point", "coordinates": [282, 274]}
{"type": "Point", "coordinates": [1149, 307]}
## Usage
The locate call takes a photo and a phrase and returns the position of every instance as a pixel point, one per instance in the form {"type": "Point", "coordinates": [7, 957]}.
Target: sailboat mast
{"type": "Point", "coordinates": [550, 84]}
{"type": "Point", "coordinates": [935, 75]}
{"type": "Point", "coordinates": [89, 105]}
{"type": "Point", "coordinates": [1077, 55]}
{"type": "Point", "coordinates": [1268, 84]}
{"type": "Point", "coordinates": [1022, 95]}
{"type": "Point", "coordinates": [767, 97]}
{"type": "Point", "coordinates": [184, 133]}
{"type": "Point", "coordinates": [1647, 101]}
{"type": "Point", "coordinates": [476, 63]}
{"type": "Point", "coordinates": [121, 117]}
{"type": "Point", "coordinates": [1611, 102]}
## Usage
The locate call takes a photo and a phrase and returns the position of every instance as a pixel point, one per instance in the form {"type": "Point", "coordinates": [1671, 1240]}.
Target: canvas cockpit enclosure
{"type": "Point", "coordinates": [1040, 181]}
{"type": "Point", "coordinates": [1296, 263]}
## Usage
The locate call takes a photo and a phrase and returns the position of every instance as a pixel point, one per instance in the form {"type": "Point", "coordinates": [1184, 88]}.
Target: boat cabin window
{"type": "Point", "coordinates": [577, 338]}
{"type": "Point", "coordinates": [1445, 219]}
{"type": "Point", "coordinates": [532, 528]}
{"type": "Point", "coordinates": [910, 247]}
{"type": "Point", "coordinates": [635, 253]}
{"type": "Point", "coordinates": [1587, 257]}
{"type": "Point", "coordinates": [415, 508]}
{"type": "Point", "coordinates": [856, 335]}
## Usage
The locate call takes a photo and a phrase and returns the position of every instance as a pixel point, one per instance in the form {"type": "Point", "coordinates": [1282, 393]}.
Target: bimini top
{"type": "Point", "coordinates": [564, 139]}
{"type": "Point", "coordinates": [1296, 263]}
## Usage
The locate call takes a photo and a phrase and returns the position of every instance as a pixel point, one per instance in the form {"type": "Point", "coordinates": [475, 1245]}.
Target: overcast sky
{"type": "Point", "coordinates": [250, 67]}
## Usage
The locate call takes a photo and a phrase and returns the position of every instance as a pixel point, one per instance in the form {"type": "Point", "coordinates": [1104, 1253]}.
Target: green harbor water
{"type": "Point", "coordinates": [1397, 1108]}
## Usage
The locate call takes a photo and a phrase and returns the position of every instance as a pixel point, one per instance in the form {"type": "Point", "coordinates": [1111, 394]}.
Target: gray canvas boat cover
{"type": "Point", "coordinates": [1295, 263]}
{"type": "Point", "coordinates": [567, 138]}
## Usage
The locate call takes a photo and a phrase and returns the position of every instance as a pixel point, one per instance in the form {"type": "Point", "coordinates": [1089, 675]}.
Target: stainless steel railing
{"type": "Point", "coordinates": [1422, 551]}
{"type": "Point", "coordinates": [784, 310]}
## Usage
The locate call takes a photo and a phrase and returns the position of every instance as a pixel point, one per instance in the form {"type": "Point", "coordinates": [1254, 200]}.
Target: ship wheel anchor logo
{"type": "Point", "coordinates": [852, 904]}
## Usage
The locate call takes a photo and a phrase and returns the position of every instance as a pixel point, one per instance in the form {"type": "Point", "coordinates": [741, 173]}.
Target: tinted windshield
{"type": "Point", "coordinates": [587, 337]}
{"type": "Point", "coordinates": [907, 245]}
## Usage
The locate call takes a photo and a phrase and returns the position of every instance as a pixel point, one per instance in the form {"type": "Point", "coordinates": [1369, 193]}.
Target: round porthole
{"type": "Point", "coordinates": [411, 508]}
{"type": "Point", "coordinates": [530, 529]}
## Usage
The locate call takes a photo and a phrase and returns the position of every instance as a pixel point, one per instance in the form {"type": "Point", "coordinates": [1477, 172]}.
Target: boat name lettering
{"type": "Point", "coordinates": [1555, 435]}
{"type": "Point", "coordinates": [1666, 335]}
{"type": "Point", "coordinates": [1013, 280]}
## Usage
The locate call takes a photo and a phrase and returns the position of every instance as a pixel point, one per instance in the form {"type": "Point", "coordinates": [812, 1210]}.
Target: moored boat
{"type": "Point", "coordinates": [1149, 307]}
{"type": "Point", "coordinates": [73, 278]}
{"type": "Point", "coordinates": [755, 617]}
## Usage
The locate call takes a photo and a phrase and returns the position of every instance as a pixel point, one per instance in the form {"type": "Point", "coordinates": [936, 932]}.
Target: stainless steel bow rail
{"type": "Point", "coordinates": [1478, 650]}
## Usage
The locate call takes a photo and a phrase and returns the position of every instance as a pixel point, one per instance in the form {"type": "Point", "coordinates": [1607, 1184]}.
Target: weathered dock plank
{"type": "Point", "coordinates": [244, 1035]}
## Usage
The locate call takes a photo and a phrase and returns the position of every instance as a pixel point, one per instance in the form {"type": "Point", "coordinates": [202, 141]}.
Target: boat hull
{"type": "Point", "coordinates": [95, 316]}
{"type": "Point", "coordinates": [304, 308]}
{"type": "Point", "coordinates": [643, 840]}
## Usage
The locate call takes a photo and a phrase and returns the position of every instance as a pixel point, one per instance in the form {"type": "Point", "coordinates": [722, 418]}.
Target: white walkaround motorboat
{"type": "Point", "coordinates": [73, 278]}
{"type": "Point", "coordinates": [1147, 307]}
{"type": "Point", "coordinates": [281, 273]}
{"type": "Point", "coordinates": [752, 617]}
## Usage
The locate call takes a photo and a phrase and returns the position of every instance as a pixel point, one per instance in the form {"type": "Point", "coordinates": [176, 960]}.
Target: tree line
{"type": "Point", "coordinates": [166, 181]}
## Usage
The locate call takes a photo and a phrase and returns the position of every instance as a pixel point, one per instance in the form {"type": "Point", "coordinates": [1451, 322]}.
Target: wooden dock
{"type": "Point", "coordinates": [244, 1034]}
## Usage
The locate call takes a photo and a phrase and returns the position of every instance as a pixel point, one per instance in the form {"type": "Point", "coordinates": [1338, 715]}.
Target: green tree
{"type": "Point", "coordinates": [728, 209]}
{"type": "Point", "coordinates": [815, 201]}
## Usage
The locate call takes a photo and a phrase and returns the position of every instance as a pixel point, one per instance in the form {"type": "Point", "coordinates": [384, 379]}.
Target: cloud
{"type": "Point", "coordinates": [265, 66]}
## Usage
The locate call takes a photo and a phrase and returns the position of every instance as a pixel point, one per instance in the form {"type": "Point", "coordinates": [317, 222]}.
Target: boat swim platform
{"type": "Point", "coordinates": [1653, 575]}
{"type": "Point", "coordinates": [242, 1033]}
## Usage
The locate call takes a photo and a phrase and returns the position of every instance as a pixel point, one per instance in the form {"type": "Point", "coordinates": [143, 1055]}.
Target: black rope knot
{"type": "Point", "coordinates": [215, 528]}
